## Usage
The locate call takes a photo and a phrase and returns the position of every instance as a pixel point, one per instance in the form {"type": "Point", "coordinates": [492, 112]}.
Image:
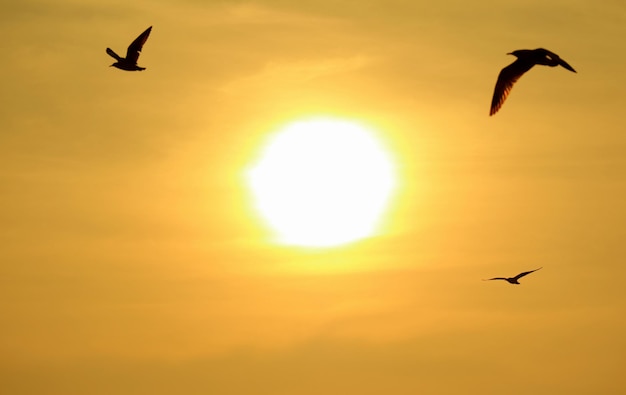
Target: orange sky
{"type": "Point", "coordinates": [132, 261]}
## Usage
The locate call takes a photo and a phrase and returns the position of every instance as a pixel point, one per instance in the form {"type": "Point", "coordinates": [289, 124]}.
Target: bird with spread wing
{"type": "Point", "coordinates": [526, 59]}
{"type": "Point", "coordinates": [512, 280]}
{"type": "Point", "coordinates": [129, 63]}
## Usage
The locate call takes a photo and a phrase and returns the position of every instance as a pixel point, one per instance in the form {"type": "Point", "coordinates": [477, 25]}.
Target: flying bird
{"type": "Point", "coordinates": [526, 59]}
{"type": "Point", "coordinates": [512, 280]}
{"type": "Point", "coordinates": [129, 63]}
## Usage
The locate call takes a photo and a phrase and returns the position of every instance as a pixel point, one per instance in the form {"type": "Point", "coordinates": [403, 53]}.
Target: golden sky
{"type": "Point", "coordinates": [132, 260]}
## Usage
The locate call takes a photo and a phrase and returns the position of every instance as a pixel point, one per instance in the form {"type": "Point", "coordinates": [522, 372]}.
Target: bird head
{"type": "Point", "coordinates": [516, 53]}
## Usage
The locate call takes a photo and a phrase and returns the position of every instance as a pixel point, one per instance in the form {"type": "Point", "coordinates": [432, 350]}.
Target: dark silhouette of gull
{"type": "Point", "coordinates": [129, 63]}
{"type": "Point", "coordinates": [512, 280]}
{"type": "Point", "coordinates": [526, 59]}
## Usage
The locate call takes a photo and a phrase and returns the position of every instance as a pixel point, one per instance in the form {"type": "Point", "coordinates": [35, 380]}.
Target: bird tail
{"type": "Point", "coordinates": [113, 54]}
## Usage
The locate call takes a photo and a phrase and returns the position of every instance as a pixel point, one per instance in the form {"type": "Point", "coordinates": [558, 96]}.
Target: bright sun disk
{"type": "Point", "coordinates": [322, 183]}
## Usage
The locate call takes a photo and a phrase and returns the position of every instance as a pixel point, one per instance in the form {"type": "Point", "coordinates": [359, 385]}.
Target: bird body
{"type": "Point", "coordinates": [526, 59]}
{"type": "Point", "coordinates": [129, 63]}
{"type": "Point", "coordinates": [512, 280]}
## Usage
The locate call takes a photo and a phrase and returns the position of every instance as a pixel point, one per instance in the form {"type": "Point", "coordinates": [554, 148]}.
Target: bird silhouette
{"type": "Point", "coordinates": [129, 63]}
{"type": "Point", "coordinates": [512, 280]}
{"type": "Point", "coordinates": [526, 59]}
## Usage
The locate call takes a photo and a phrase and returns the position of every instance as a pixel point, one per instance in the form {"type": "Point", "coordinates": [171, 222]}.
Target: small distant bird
{"type": "Point", "coordinates": [129, 63]}
{"type": "Point", "coordinates": [512, 280]}
{"type": "Point", "coordinates": [526, 59]}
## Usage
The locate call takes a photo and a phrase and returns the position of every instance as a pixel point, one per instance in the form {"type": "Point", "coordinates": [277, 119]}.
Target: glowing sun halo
{"type": "Point", "coordinates": [322, 182]}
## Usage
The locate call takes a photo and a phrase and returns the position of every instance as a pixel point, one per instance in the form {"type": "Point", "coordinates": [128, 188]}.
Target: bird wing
{"type": "Point", "coordinates": [524, 273]}
{"type": "Point", "coordinates": [566, 65]}
{"type": "Point", "coordinates": [506, 79]}
{"type": "Point", "coordinates": [552, 57]}
{"type": "Point", "coordinates": [113, 54]}
{"type": "Point", "coordinates": [496, 278]}
{"type": "Point", "coordinates": [135, 47]}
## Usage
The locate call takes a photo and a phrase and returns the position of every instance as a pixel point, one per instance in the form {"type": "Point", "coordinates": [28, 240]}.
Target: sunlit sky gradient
{"type": "Point", "coordinates": [131, 258]}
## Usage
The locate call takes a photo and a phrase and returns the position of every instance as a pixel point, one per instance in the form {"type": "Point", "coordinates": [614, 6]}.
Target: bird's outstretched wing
{"type": "Point", "coordinates": [135, 47]}
{"type": "Point", "coordinates": [552, 59]}
{"type": "Point", "coordinates": [566, 65]}
{"type": "Point", "coordinates": [506, 79]}
{"type": "Point", "coordinates": [113, 54]}
{"type": "Point", "coordinates": [496, 278]}
{"type": "Point", "coordinates": [524, 273]}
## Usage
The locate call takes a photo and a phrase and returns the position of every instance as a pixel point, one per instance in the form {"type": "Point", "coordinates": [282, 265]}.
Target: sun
{"type": "Point", "coordinates": [322, 182]}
